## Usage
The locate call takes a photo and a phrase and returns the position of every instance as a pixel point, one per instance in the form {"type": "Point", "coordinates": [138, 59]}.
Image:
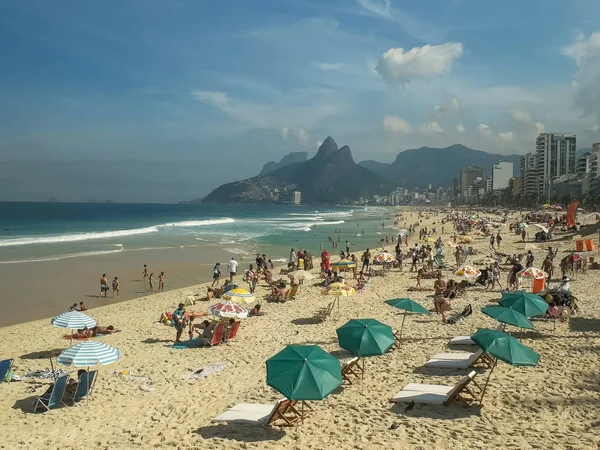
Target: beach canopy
{"type": "Point", "coordinates": [407, 305]}
{"type": "Point", "coordinates": [73, 320]}
{"type": "Point", "coordinates": [338, 289]}
{"type": "Point", "coordinates": [228, 310]}
{"type": "Point", "coordinates": [239, 295]}
{"type": "Point", "coordinates": [301, 275]}
{"type": "Point", "coordinates": [508, 316]}
{"type": "Point", "coordinates": [530, 305]}
{"type": "Point", "coordinates": [89, 353]}
{"type": "Point", "coordinates": [365, 337]}
{"type": "Point", "coordinates": [304, 372]}
{"type": "Point", "coordinates": [505, 348]}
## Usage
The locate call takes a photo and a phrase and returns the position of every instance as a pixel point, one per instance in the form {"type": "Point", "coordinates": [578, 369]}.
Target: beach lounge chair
{"type": "Point", "coordinates": [233, 331]}
{"type": "Point", "coordinates": [324, 313]}
{"type": "Point", "coordinates": [466, 340]}
{"type": "Point", "coordinates": [466, 390]}
{"type": "Point", "coordinates": [352, 368]}
{"type": "Point", "coordinates": [84, 386]}
{"type": "Point", "coordinates": [55, 397]}
{"type": "Point", "coordinates": [284, 412]}
{"type": "Point", "coordinates": [460, 360]}
{"type": "Point", "coordinates": [5, 366]}
{"type": "Point", "coordinates": [217, 337]}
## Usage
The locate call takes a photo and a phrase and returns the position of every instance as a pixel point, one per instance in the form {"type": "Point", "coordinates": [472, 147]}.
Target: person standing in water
{"type": "Point", "coordinates": [161, 281]}
{"type": "Point", "coordinates": [145, 273]}
{"type": "Point", "coordinates": [150, 281]}
{"type": "Point", "coordinates": [104, 286]}
{"type": "Point", "coordinates": [115, 286]}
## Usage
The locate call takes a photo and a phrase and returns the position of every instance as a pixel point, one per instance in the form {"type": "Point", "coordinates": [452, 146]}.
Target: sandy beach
{"type": "Point", "coordinates": [553, 405]}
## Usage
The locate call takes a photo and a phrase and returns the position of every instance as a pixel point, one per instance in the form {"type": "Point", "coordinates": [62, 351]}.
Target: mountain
{"type": "Point", "coordinates": [288, 159]}
{"type": "Point", "coordinates": [331, 176]}
{"type": "Point", "coordinates": [437, 166]}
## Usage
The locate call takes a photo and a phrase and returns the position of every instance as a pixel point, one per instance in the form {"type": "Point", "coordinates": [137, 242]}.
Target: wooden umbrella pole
{"type": "Point", "coordinates": [486, 382]}
{"type": "Point", "coordinates": [402, 326]}
{"type": "Point", "coordinates": [52, 368]}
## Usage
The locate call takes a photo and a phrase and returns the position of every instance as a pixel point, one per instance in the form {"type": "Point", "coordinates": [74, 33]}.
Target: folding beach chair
{"type": "Point", "coordinates": [217, 336]}
{"type": "Point", "coordinates": [233, 331]}
{"type": "Point", "coordinates": [466, 390]}
{"type": "Point", "coordinates": [460, 360]}
{"type": "Point", "coordinates": [84, 386]}
{"type": "Point", "coordinates": [352, 367]}
{"type": "Point", "coordinates": [284, 413]}
{"type": "Point", "coordinates": [324, 313]}
{"type": "Point", "coordinates": [5, 369]}
{"type": "Point", "coordinates": [55, 397]}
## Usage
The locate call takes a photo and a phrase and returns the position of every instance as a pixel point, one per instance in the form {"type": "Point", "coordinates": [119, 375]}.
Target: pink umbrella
{"type": "Point", "coordinates": [228, 310]}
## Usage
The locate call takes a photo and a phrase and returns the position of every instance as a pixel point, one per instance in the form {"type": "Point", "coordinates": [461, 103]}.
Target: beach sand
{"type": "Point", "coordinates": [553, 405]}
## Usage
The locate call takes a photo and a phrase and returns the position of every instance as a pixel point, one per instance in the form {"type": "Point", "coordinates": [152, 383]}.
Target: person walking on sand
{"type": "Point", "coordinates": [251, 278]}
{"type": "Point", "coordinates": [292, 260]}
{"type": "Point", "coordinates": [104, 286]}
{"type": "Point", "coordinates": [115, 286]}
{"type": "Point", "coordinates": [161, 281]}
{"type": "Point", "coordinates": [498, 240]}
{"type": "Point", "coordinates": [232, 266]}
{"type": "Point", "coordinates": [216, 275]}
{"type": "Point", "coordinates": [145, 273]}
{"type": "Point", "coordinates": [151, 282]}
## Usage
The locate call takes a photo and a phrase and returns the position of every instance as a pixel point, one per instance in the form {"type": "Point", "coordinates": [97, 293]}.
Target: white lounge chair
{"type": "Point", "coordinates": [436, 394]}
{"type": "Point", "coordinates": [466, 340]}
{"type": "Point", "coordinates": [284, 411]}
{"type": "Point", "coordinates": [460, 360]}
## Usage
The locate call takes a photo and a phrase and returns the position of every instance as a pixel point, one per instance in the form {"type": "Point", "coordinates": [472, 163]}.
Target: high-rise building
{"type": "Point", "coordinates": [467, 178]}
{"type": "Point", "coordinates": [529, 184]}
{"type": "Point", "coordinates": [582, 166]}
{"type": "Point", "coordinates": [297, 197]}
{"type": "Point", "coordinates": [501, 174]}
{"type": "Point", "coordinates": [514, 186]}
{"type": "Point", "coordinates": [555, 157]}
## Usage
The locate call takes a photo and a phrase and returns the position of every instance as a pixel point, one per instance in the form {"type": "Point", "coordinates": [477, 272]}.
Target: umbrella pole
{"type": "Point", "coordinates": [402, 326]}
{"type": "Point", "coordinates": [52, 368]}
{"type": "Point", "coordinates": [486, 382]}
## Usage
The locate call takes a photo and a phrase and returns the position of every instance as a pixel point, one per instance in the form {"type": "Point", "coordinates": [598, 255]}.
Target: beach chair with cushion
{"type": "Point", "coordinates": [233, 331]}
{"type": "Point", "coordinates": [84, 386]}
{"type": "Point", "coordinates": [217, 336]}
{"type": "Point", "coordinates": [466, 340]}
{"type": "Point", "coordinates": [466, 390]}
{"type": "Point", "coordinates": [284, 412]}
{"type": "Point", "coordinates": [5, 369]}
{"type": "Point", "coordinates": [55, 397]}
{"type": "Point", "coordinates": [460, 360]}
{"type": "Point", "coordinates": [352, 368]}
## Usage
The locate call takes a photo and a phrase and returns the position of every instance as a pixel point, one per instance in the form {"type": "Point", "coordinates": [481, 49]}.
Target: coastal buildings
{"type": "Point", "coordinates": [528, 175]}
{"type": "Point", "coordinates": [555, 157]}
{"type": "Point", "coordinates": [297, 197]}
{"type": "Point", "coordinates": [501, 175]}
{"type": "Point", "coordinates": [467, 178]}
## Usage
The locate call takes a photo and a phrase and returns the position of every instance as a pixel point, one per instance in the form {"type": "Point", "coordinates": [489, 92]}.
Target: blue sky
{"type": "Point", "coordinates": [229, 85]}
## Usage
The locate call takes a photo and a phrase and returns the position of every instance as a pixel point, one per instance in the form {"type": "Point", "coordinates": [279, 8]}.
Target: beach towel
{"type": "Point", "coordinates": [192, 343]}
{"type": "Point", "coordinates": [47, 374]}
{"type": "Point", "coordinates": [462, 315]}
{"type": "Point", "coordinates": [206, 371]}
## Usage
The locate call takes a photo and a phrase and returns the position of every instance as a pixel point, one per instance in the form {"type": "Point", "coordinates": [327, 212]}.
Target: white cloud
{"type": "Point", "coordinates": [508, 136]}
{"type": "Point", "coordinates": [430, 127]}
{"type": "Point", "coordinates": [331, 67]}
{"type": "Point", "coordinates": [379, 8]}
{"type": "Point", "coordinates": [318, 144]}
{"type": "Point", "coordinates": [396, 125]}
{"type": "Point", "coordinates": [214, 97]}
{"type": "Point", "coordinates": [398, 66]}
{"type": "Point", "coordinates": [451, 108]}
{"type": "Point", "coordinates": [284, 133]}
{"type": "Point", "coordinates": [596, 128]}
{"type": "Point", "coordinates": [521, 116]}
{"type": "Point", "coordinates": [540, 127]}
{"type": "Point", "coordinates": [302, 136]}
{"type": "Point", "coordinates": [484, 130]}
{"type": "Point", "coordinates": [460, 128]}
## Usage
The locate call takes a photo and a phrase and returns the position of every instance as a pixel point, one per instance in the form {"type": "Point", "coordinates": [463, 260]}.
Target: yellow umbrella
{"type": "Point", "coordinates": [429, 239]}
{"type": "Point", "coordinates": [239, 295]}
{"type": "Point", "coordinates": [465, 239]}
{"type": "Point", "coordinates": [338, 289]}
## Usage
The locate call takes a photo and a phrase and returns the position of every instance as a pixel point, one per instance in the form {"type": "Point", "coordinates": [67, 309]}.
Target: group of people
{"type": "Point", "coordinates": [105, 288]}
{"type": "Point", "coordinates": [150, 277]}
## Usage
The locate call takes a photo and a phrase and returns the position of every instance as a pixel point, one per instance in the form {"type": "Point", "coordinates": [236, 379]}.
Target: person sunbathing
{"type": "Point", "coordinates": [104, 330]}
{"type": "Point", "coordinates": [83, 333]}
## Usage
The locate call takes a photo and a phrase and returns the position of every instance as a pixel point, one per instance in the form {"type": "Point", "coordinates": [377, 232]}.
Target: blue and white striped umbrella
{"type": "Point", "coordinates": [89, 353]}
{"type": "Point", "coordinates": [73, 320]}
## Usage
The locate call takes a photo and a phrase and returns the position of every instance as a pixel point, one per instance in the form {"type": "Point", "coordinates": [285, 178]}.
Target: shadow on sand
{"type": "Point", "coordinates": [241, 433]}
{"type": "Point", "coordinates": [439, 412]}
{"type": "Point", "coordinates": [44, 354]}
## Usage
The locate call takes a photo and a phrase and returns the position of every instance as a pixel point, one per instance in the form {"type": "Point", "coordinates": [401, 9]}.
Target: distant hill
{"type": "Point", "coordinates": [288, 159]}
{"type": "Point", "coordinates": [331, 176]}
{"type": "Point", "coordinates": [437, 166]}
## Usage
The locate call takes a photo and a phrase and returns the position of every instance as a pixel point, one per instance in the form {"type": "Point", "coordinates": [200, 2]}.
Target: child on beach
{"type": "Point", "coordinates": [216, 274]}
{"type": "Point", "coordinates": [82, 307]}
{"type": "Point", "coordinates": [161, 281]}
{"type": "Point", "coordinates": [145, 273]}
{"type": "Point", "coordinates": [115, 287]}
{"type": "Point", "coordinates": [150, 281]}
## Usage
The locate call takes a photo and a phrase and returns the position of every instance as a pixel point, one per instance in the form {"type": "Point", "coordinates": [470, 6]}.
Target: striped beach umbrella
{"type": "Point", "coordinates": [239, 295]}
{"type": "Point", "coordinates": [89, 353]}
{"type": "Point", "coordinates": [73, 320]}
{"type": "Point", "coordinates": [339, 289]}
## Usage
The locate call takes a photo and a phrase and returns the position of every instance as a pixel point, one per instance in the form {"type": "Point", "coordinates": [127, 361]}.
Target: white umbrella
{"type": "Point", "coordinates": [541, 227]}
{"type": "Point", "coordinates": [229, 310]}
{"type": "Point", "coordinates": [301, 275]}
{"type": "Point", "coordinates": [89, 353]}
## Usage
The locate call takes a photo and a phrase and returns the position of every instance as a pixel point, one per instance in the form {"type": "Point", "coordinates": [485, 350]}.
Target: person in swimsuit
{"type": "Point", "coordinates": [145, 273]}
{"type": "Point", "coordinates": [150, 281]}
{"type": "Point", "coordinates": [115, 286]}
{"type": "Point", "coordinates": [103, 286]}
{"type": "Point", "coordinates": [179, 320]}
{"type": "Point", "coordinates": [161, 281]}
{"type": "Point", "coordinates": [82, 307]}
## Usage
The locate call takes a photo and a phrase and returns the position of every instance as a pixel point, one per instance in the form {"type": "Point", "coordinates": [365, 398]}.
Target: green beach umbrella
{"type": "Point", "coordinates": [508, 316]}
{"type": "Point", "coordinates": [407, 305]}
{"type": "Point", "coordinates": [530, 305]}
{"type": "Point", "coordinates": [366, 337]}
{"type": "Point", "coordinates": [505, 348]}
{"type": "Point", "coordinates": [304, 372]}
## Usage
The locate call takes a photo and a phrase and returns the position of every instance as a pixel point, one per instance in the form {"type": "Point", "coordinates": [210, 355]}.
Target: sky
{"type": "Point", "coordinates": [155, 100]}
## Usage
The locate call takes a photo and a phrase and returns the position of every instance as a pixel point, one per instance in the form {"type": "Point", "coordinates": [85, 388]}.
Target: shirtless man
{"type": "Point", "coordinates": [161, 281]}
{"type": "Point", "coordinates": [103, 285]}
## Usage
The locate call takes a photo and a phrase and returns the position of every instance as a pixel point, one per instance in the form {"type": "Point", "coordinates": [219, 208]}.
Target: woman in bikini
{"type": "Point", "coordinates": [161, 281]}
{"type": "Point", "coordinates": [150, 281]}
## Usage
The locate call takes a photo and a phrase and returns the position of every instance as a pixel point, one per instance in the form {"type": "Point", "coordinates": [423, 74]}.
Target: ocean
{"type": "Point", "coordinates": [53, 254]}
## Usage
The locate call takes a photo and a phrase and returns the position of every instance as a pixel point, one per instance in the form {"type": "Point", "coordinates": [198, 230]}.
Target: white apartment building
{"type": "Point", "coordinates": [555, 157]}
{"type": "Point", "coordinates": [501, 174]}
{"type": "Point", "coordinates": [529, 184]}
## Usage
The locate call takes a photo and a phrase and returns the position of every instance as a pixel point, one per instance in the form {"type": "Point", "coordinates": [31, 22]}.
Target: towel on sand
{"type": "Point", "coordinates": [204, 372]}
